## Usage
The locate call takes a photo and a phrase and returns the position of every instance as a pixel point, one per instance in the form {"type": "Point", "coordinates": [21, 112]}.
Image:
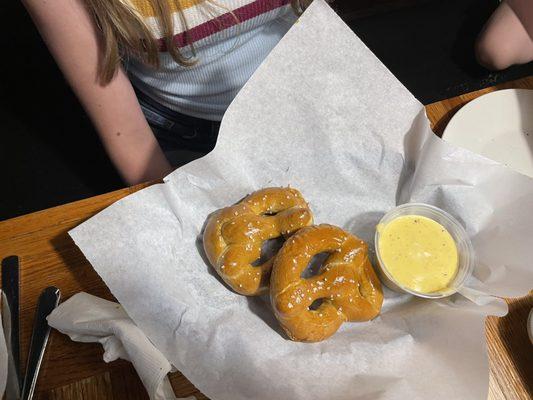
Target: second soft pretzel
{"type": "Point", "coordinates": [346, 284]}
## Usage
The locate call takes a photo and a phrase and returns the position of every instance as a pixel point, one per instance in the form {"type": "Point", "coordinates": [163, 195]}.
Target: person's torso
{"type": "Point", "coordinates": [231, 38]}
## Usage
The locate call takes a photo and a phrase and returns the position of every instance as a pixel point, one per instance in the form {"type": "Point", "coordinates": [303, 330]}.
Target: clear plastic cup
{"type": "Point", "coordinates": [462, 241]}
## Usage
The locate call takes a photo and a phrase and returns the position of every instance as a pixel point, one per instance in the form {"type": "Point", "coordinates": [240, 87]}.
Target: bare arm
{"type": "Point", "coordinates": [504, 40]}
{"type": "Point", "coordinates": [72, 38]}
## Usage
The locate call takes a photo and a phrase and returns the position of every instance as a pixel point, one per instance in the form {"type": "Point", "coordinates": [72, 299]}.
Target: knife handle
{"type": "Point", "coordinates": [48, 300]}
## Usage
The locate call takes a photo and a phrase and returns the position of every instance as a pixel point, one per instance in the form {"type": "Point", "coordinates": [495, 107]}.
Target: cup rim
{"type": "Point", "coordinates": [461, 233]}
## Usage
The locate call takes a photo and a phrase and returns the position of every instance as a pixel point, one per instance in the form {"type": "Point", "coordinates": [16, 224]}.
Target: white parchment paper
{"type": "Point", "coordinates": [325, 116]}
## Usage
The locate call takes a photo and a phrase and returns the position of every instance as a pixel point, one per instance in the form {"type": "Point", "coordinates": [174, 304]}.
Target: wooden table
{"type": "Point", "coordinates": [76, 371]}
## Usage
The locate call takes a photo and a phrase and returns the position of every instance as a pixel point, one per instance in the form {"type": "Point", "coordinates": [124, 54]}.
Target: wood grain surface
{"type": "Point", "coordinates": [76, 371]}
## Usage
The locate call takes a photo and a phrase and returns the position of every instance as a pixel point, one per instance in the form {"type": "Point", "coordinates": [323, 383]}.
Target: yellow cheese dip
{"type": "Point", "coordinates": [419, 253]}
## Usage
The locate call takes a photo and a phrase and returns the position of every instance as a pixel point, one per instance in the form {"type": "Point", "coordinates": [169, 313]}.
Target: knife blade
{"type": "Point", "coordinates": [48, 300]}
{"type": "Point", "coordinates": [10, 324]}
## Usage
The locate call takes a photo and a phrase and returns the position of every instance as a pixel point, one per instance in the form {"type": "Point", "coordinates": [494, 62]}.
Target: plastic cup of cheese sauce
{"type": "Point", "coordinates": [423, 250]}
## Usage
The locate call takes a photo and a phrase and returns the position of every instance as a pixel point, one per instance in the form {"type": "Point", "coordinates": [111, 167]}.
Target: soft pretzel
{"type": "Point", "coordinates": [346, 283]}
{"type": "Point", "coordinates": [234, 235]}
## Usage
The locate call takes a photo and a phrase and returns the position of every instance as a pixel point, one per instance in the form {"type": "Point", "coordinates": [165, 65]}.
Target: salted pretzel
{"type": "Point", "coordinates": [234, 235]}
{"type": "Point", "coordinates": [346, 284]}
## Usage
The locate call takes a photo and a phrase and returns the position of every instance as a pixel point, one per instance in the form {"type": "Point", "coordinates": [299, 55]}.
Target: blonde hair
{"type": "Point", "coordinates": [124, 32]}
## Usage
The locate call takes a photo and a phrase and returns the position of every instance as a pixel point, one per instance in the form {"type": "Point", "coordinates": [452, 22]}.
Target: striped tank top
{"type": "Point", "coordinates": [231, 38]}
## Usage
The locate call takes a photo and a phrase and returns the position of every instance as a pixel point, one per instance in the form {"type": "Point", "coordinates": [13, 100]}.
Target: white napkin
{"type": "Point", "coordinates": [7, 363]}
{"type": "Point", "coordinates": [3, 354]}
{"type": "Point", "coordinates": [86, 318]}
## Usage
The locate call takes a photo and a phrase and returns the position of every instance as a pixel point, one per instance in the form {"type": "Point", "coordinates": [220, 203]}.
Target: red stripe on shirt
{"type": "Point", "coordinates": [223, 21]}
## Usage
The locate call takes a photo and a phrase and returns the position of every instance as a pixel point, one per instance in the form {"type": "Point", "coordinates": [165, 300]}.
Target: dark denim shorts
{"type": "Point", "coordinates": [181, 137]}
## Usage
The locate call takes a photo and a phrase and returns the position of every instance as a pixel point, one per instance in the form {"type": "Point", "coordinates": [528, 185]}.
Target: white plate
{"type": "Point", "coordinates": [499, 126]}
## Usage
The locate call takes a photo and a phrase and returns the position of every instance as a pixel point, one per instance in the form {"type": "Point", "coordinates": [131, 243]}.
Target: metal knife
{"type": "Point", "coordinates": [10, 324]}
{"type": "Point", "coordinates": [48, 300]}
